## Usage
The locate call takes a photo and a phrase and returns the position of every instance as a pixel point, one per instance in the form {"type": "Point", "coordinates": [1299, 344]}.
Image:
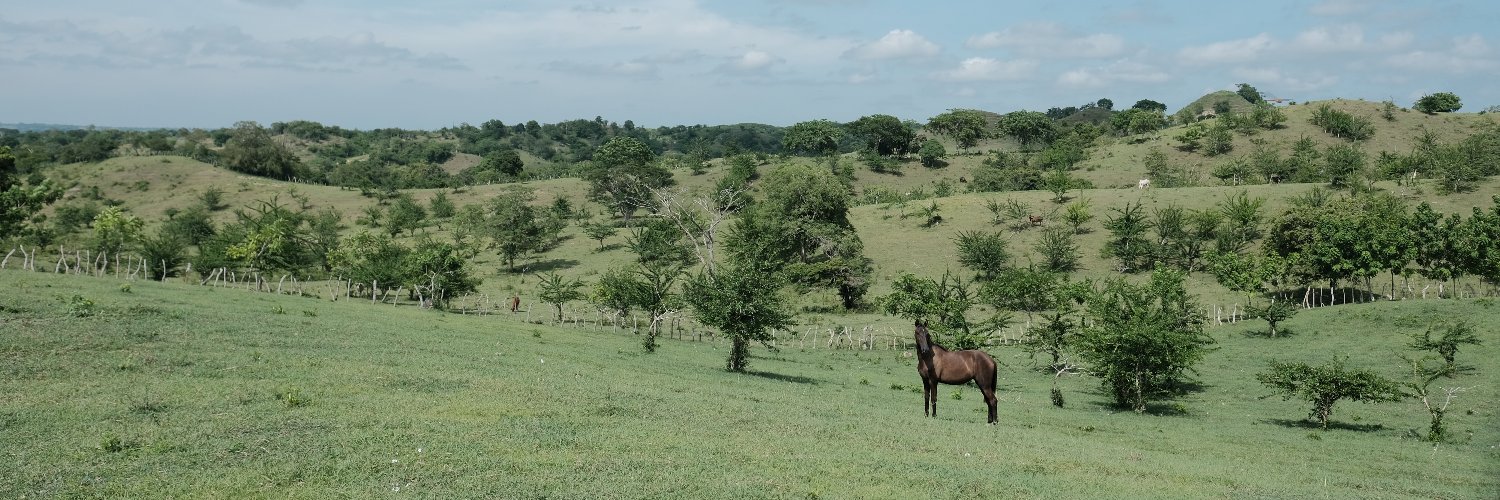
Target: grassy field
{"type": "Point", "coordinates": [172, 390]}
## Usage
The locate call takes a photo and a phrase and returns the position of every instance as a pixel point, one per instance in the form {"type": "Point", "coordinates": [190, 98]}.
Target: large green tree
{"type": "Point", "coordinates": [622, 173]}
{"type": "Point", "coordinates": [816, 137]}
{"type": "Point", "coordinates": [19, 200]}
{"type": "Point", "coordinates": [884, 134]}
{"type": "Point", "coordinates": [251, 150]}
{"type": "Point", "coordinates": [802, 228]}
{"type": "Point", "coordinates": [743, 303]}
{"type": "Point", "coordinates": [1143, 338]}
{"type": "Point", "coordinates": [966, 126]}
{"type": "Point", "coordinates": [1028, 127]}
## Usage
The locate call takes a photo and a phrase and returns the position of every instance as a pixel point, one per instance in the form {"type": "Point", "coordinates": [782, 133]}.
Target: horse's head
{"type": "Point", "coordinates": [924, 339]}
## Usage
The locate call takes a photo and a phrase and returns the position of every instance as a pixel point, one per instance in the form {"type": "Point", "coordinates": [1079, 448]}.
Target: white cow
{"type": "Point", "coordinates": [1143, 184]}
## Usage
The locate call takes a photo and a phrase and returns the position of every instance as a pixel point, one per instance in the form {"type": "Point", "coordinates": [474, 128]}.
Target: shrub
{"type": "Point", "coordinates": [1327, 384]}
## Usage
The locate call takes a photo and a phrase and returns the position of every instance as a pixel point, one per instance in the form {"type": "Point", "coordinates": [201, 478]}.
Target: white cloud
{"type": "Point", "coordinates": [753, 61]}
{"type": "Point", "coordinates": [273, 3]}
{"type": "Point", "coordinates": [976, 69]}
{"type": "Point", "coordinates": [1338, 8]}
{"type": "Point", "coordinates": [1276, 83]}
{"type": "Point", "coordinates": [1471, 46]}
{"type": "Point", "coordinates": [1231, 51]}
{"type": "Point", "coordinates": [1049, 40]}
{"type": "Point", "coordinates": [1330, 39]}
{"type": "Point", "coordinates": [898, 44]}
{"type": "Point", "coordinates": [1121, 71]}
{"type": "Point", "coordinates": [1397, 40]}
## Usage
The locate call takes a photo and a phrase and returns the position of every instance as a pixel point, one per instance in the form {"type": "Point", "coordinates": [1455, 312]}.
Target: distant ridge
{"type": "Point", "coordinates": [39, 127]}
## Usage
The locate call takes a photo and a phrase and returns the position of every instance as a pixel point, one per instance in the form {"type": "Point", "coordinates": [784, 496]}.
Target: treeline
{"type": "Point", "coordinates": [391, 158]}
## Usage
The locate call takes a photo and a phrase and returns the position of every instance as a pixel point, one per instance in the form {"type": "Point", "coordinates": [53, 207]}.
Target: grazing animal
{"type": "Point", "coordinates": [1036, 220]}
{"type": "Point", "coordinates": [1143, 184]}
{"type": "Point", "coordinates": [515, 303]}
{"type": "Point", "coordinates": [936, 364]}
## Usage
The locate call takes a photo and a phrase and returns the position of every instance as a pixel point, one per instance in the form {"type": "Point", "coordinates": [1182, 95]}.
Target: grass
{"type": "Point", "coordinates": [173, 390]}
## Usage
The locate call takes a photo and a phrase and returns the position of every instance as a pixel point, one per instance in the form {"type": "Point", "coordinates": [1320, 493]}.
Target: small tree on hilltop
{"type": "Point", "coordinates": [1327, 384]}
{"type": "Point", "coordinates": [1441, 102]}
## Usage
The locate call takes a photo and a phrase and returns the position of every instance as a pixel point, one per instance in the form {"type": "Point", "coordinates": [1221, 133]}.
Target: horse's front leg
{"type": "Point", "coordinates": [932, 392]}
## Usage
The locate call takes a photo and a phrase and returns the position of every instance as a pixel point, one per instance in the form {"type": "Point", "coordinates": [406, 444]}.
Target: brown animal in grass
{"type": "Point", "coordinates": [939, 365]}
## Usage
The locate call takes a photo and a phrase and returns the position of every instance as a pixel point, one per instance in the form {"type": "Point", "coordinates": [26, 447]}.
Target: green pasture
{"type": "Point", "coordinates": [133, 389]}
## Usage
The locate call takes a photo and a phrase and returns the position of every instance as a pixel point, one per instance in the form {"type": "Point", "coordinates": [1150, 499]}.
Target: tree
{"type": "Point", "coordinates": [1421, 386]}
{"type": "Point", "coordinates": [163, 253]}
{"type": "Point", "coordinates": [599, 231]}
{"type": "Point", "coordinates": [404, 214]}
{"type": "Point", "coordinates": [1327, 384]}
{"type": "Point", "coordinates": [932, 154]}
{"type": "Point", "coordinates": [1105, 104]}
{"type": "Point", "coordinates": [817, 137]}
{"type": "Point", "coordinates": [506, 162]}
{"type": "Point", "coordinates": [513, 226]}
{"type": "Point", "coordinates": [1054, 337]}
{"type": "Point", "coordinates": [1027, 290]}
{"type": "Point", "coordinates": [1345, 166]}
{"type": "Point", "coordinates": [982, 252]}
{"type": "Point", "coordinates": [1441, 102]}
{"type": "Point", "coordinates": [743, 303]}
{"type": "Point", "coordinates": [1250, 94]}
{"type": "Point", "coordinates": [1149, 105]}
{"type": "Point", "coordinates": [114, 229]}
{"type": "Point", "coordinates": [1143, 338]}
{"type": "Point", "coordinates": [884, 134]}
{"type": "Point", "coordinates": [440, 206]}
{"type": "Point", "coordinates": [1218, 140]}
{"type": "Point", "coordinates": [622, 173]}
{"type": "Point", "coordinates": [1058, 250]}
{"type": "Point", "coordinates": [966, 126]}
{"type": "Point", "coordinates": [270, 237]}
{"type": "Point", "coordinates": [1077, 214]}
{"type": "Point", "coordinates": [553, 289]}
{"type": "Point", "coordinates": [802, 229]}
{"type": "Point", "coordinates": [1128, 243]}
{"type": "Point", "coordinates": [251, 150]}
{"type": "Point", "coordinates": [372, 258]}
{"type": "Point", "coordinates": [1137, 121]}
{"type": "Point", "coordinates": [1274, 312]}
{"type": "Point", "coordinates": [945, 305]}
{"type": "Point", "coordinates": [1028, 127]}
{"type": "Point", "coordinates": [19, 200]}
{"type": "Point", "coordinates": [440, 269]}
{"type": "Point", "coordinates": [1446, 343]}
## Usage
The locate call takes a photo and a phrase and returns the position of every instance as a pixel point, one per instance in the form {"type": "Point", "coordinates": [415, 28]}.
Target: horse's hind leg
{"type": "Point", "coordinates": [989, 395]}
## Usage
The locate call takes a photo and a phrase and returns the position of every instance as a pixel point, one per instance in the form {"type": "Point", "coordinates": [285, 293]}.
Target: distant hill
{"type": "Point", "coordinates": [42, 127]}
{"type": "Point", "coordinates": [1235, 102]}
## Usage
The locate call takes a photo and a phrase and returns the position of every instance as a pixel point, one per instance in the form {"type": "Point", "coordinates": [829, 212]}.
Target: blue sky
{"type": "Point", "coordinates": [425, 65]}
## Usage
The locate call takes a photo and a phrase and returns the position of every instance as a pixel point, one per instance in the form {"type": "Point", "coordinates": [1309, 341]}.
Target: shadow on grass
{"type": "Point", "coordinates": [1165, 405]}
{"type": "Point", "coordinates": [1266, 333]}
{"type": "Point", "coordinates": [611, 246]}
{"type": "Point", "coordinates": [1332, 425]}
{"type": "Point", "coordinates": [784, 378]}
{"type": "Point", "coordinates": [549, 265]}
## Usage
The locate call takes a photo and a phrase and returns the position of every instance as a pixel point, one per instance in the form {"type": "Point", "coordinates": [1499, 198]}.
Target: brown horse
{"type": "Point", "coordinates": [936, 364]}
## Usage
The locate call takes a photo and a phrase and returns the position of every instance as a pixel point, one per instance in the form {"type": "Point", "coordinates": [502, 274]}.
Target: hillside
{"type": "Point", "coordinates": [172, 390]}
{"type": "Point", "coordinates": [151, 186]}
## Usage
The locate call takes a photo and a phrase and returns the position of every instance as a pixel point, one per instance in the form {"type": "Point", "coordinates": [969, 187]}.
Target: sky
{"type": "Point", "coordinates": [425, 65]}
